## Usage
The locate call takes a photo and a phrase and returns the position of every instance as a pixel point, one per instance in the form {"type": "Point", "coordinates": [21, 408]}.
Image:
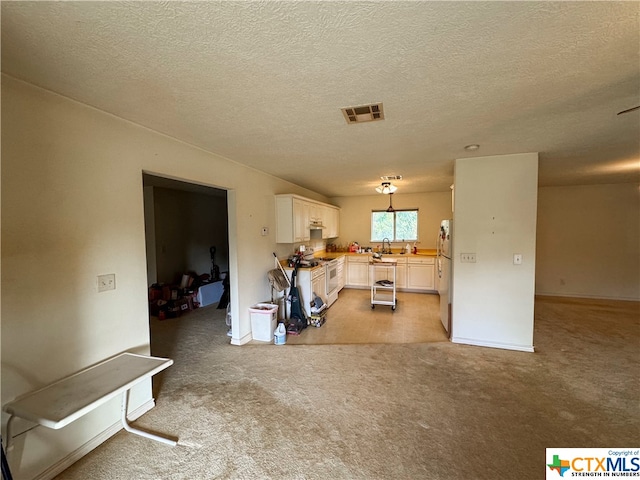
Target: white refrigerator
{"type": "Point", "coordinates": [443, 264]}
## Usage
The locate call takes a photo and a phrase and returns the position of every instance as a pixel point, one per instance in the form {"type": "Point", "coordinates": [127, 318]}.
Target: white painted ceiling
{"type": "Point", "coordinates": [262, 83]}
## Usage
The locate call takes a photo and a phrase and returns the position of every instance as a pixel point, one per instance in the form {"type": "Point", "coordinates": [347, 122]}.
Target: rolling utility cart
{"type": "Point", "coordinates": [383, 292]}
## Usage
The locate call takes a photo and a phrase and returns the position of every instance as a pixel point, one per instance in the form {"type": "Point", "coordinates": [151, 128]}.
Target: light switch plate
{"type": "Point", "coordinates": [517, 259]}
{"type": "Point", "coordinates": [468, 257]}
{"type": "Point", "coordinates": [106, 282]}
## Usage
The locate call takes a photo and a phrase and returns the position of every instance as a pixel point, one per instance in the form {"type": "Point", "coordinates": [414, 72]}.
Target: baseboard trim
{"type": "Point", "coordinates": [586, 297]}
{"type": "Point", "coordinates": [398, 289]}
{"type": "Point", "coordinates": [60, 466]}
{"type": "Point", "coordinates": [241, 341]}
{"type": "Point", "coordinates": [503, 346]}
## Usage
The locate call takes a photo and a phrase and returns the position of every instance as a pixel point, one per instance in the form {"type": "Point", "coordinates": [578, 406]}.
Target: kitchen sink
{"type": "Point", "coordinates": [388, 259]}
{"type": "Point", "coordinates": [382, 258]}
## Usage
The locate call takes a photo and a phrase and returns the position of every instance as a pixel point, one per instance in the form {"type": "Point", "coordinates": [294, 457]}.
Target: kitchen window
{"type": "Point", "coordinates": [398, 226]}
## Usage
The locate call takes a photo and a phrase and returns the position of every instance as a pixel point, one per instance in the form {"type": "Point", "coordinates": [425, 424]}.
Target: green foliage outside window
{"type": "Point", "coordinates": [398, 226]}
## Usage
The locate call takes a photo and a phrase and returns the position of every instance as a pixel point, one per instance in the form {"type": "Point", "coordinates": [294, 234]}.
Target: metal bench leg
{"type": "Point", "coordinates": [9, 447]}
{"type": "Point", "coordinates": [130, 429]}
{"type": "Point", "coordinates": [6, 471]}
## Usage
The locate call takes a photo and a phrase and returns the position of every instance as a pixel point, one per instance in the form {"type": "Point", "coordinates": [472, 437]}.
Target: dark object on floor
{"type": "Point", "coordinates": [224, 299]}
{"type": "Point", "coordinates": [298, 317]}
{"type": "Point", "coordinates": [294, 328]}
{"type": "Point", "coordinates": [215, 269]}
{"type": "Point", "coordinates": [6, 471]}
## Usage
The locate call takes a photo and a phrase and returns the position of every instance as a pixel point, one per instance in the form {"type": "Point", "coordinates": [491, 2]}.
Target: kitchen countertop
{"type": "Point", "coordinates": [421, 253]}
{"type": "Point", "coordinates": [322, 254]}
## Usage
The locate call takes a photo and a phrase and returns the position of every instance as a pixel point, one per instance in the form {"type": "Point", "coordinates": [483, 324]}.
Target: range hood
{"type": "Point", "coordinates": [316, 225]}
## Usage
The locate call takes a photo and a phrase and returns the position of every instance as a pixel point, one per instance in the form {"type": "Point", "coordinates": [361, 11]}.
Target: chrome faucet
{"type": "Point", "coordinates": [388, 243]}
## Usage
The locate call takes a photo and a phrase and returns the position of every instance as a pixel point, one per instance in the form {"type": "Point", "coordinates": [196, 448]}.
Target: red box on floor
{"type": "Point", "coordinates": [183, 304]}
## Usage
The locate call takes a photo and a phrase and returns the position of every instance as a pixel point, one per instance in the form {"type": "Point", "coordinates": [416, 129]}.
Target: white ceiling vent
{"type": "Point", "coordinates": [363, 113]}
{"type": "Point", "coordinates": [389, 178]}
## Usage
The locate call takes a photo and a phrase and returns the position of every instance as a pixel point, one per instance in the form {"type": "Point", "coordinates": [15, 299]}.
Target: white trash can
{"type": "Point", "coordinates": [264, 319]}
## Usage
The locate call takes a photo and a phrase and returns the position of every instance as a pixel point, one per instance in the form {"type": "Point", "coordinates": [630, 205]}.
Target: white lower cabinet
{"type": "Point", "coordinates": [358, 271]}
{"type": "Point", "coordinates": [310, 281]}
{"type": "Point", "coordinates": [420, 273]}
{"type": "Point", "coordinates": [341, 273]}
{"type": "Point", "coordinates": [413, 273]}
{"type": "Point", "coordinates": [319, 284]}
{"type": "Point", "coordinates": [401, 275]}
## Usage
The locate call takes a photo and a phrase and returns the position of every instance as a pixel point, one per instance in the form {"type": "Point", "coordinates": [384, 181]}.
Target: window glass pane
{"type": "Point", "coordinates": [381, 226]}
{"type": "Point", "coordinates": [407, 225]}
{"type": "Point", "coordinates": [398, 226]}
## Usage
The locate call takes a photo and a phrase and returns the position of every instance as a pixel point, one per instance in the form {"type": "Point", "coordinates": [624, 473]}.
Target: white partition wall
{"type": "Point", "coordinates": [495, 218]}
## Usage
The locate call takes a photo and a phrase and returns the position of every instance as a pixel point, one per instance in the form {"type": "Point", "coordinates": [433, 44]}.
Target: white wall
{"type": "Point", "coordinates": [495, 217]}
{"type": "Point", "coordinates": [589, 241]}
{"type": "Point", "coordinates": [72, 208]}
{"type": "Point", "coordinates": [355, 215]}
{"type": "Point", "coordinates": [150, 235]}
{"type": "Point", "coordinates": [187, 224]}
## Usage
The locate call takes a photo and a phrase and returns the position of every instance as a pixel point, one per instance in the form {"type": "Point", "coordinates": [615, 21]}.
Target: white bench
{"type": "Point", "coordinates": [66, 400]}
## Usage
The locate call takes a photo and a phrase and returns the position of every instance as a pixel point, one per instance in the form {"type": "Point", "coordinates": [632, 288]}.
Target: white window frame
{"type": "Point", "coordinates": [394, 239]}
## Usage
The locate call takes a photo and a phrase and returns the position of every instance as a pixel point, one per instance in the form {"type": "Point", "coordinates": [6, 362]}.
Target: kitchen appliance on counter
{"type": "Point", "coordinates": [443, 264]}
{"type": "Point", "coordinates": [303, 258]}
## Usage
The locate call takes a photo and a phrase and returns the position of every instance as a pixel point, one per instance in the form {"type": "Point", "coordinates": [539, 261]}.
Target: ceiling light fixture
{"type": "Point", "coordinates": [472, 147]}
{"type": "Point", "coordinates": [386, 188]}
{"type": "Point", "coordinates": [390, 209]}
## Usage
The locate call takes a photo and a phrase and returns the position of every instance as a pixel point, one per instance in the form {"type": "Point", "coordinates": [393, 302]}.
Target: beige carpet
{"type": "Point", "coordinates": [383, 411]}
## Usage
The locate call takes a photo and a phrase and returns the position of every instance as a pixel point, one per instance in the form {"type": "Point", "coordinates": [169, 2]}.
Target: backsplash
{"type": "Point", "coordinates": [314, 245]}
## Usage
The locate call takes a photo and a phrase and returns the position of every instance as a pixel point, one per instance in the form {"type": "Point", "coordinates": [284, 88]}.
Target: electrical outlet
{"type": "Point", "coordinates": [468, 257]}
{"type": "Point", "coordinates": [517, 259]}
{"type": "Point", "coordinates": [106, 282]}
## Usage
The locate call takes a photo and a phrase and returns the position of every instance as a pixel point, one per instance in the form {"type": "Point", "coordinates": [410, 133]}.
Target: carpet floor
{"type": "Point", "coordinates": [383, 411]}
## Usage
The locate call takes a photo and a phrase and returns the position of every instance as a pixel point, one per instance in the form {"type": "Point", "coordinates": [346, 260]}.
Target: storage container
{"type": "Point", "coordinates": [280, 335]}
{"type": "Point", "coordinates": [264, 319]}
{"type": "Point", "coordinates": [209, 293]}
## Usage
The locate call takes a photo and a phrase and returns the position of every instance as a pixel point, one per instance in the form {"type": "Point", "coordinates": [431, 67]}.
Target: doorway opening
{"type": "Point", "coordinates": [187, 247]}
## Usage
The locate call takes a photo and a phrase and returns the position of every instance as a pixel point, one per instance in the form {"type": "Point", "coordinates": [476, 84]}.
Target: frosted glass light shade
{"type": "Point", "coordinates": [386, 188]}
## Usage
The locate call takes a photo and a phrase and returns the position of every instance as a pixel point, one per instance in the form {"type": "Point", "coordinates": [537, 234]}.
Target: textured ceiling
{"type": "Point", "coordinates": [262, 83]}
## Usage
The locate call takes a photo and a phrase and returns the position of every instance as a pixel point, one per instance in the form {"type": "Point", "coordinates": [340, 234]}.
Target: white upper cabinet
{"type": "Point", "coordinates": [295, 214]}
{"type": "Point", "coordinates": [331, 222]}
{"type": "Point", "coordinates": [301, 220]}
{"type": "Point", "coordinates": [316, 211]}
{"type": "Point", "coordinates": [292, 219]}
